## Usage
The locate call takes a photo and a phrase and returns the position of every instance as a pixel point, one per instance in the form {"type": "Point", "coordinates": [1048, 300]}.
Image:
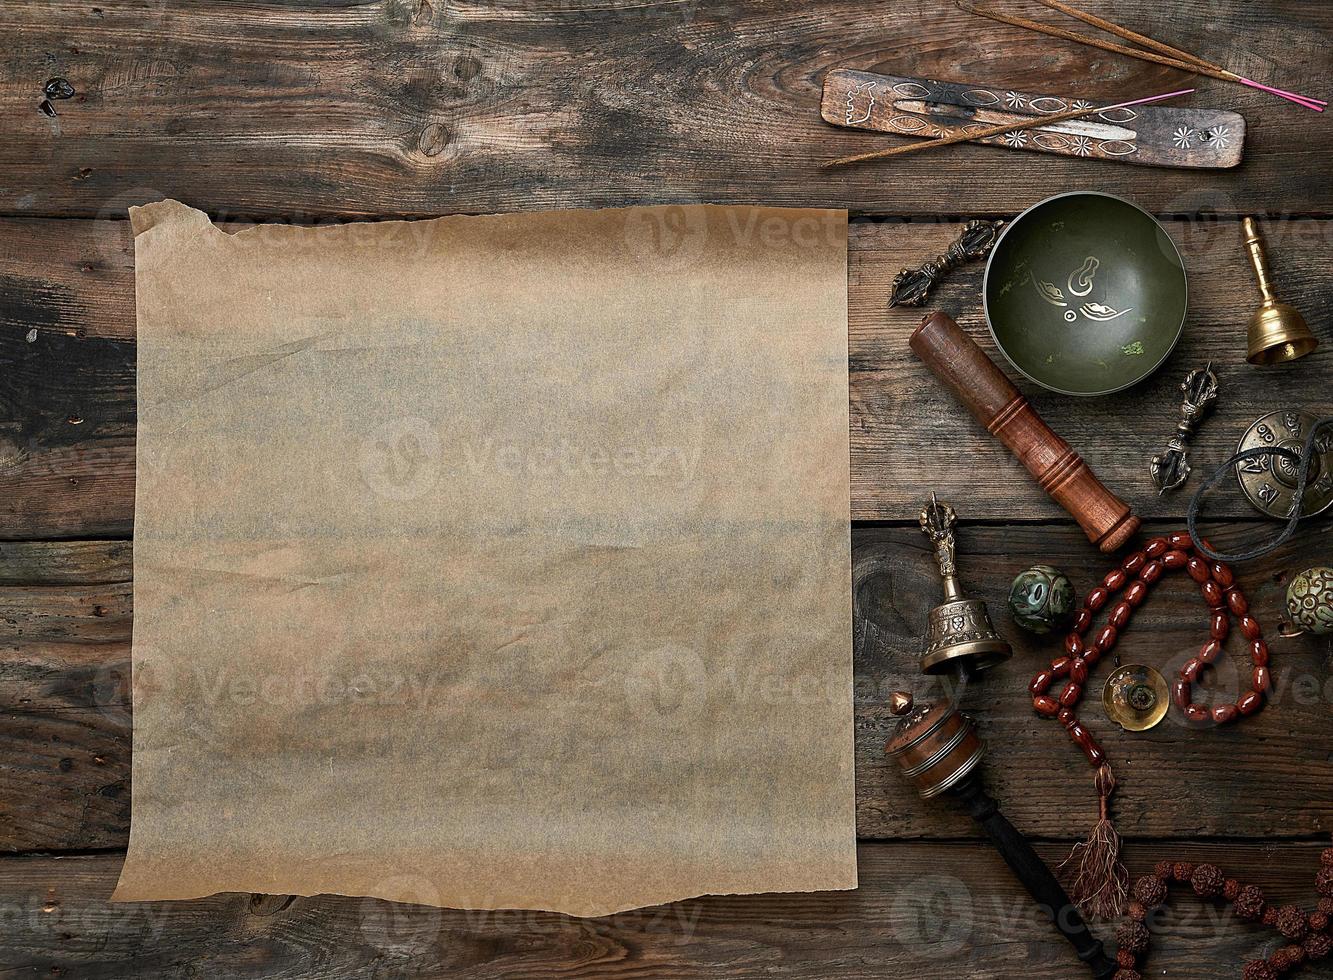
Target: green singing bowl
{"type": "Point", "coordinates": [1085, 293]}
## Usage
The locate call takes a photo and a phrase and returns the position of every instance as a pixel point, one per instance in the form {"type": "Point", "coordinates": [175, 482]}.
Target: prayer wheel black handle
{"type": "Point", "coordinates": [1036, 877]}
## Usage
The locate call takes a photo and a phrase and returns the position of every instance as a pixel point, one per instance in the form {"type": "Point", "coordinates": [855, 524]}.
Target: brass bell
{"type": "Point", "coordinates": [1277, 331]}
{"type": "Point", "coordinates": [959, 634]}
{"type": "Point", "coordinates": [1136, 697]}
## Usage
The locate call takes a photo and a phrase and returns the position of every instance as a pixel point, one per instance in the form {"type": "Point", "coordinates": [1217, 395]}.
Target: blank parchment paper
{"type": "Point", "coordinates": [493, 562]}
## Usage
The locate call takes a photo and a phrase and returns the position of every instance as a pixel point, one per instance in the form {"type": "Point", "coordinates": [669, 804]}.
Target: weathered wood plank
{"type": "Point", "coordinates": [57, 922]}
{"type": "Point", "coordinates": [67, 396]}
{"type": "Point", "coordinates": [65, 746]}
{"type": "Point", "coordinates": [408, 107]}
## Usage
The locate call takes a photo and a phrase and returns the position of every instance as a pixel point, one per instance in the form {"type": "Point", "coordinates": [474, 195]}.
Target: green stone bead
{"type": "Point", "coordinates": [1310, 600]}
{"type": "Point", "coordinates": [1042, 599]}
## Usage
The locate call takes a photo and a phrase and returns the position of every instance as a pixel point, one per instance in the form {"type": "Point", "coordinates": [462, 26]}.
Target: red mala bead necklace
{"type": "Point", "coordinates": [1100, 885]}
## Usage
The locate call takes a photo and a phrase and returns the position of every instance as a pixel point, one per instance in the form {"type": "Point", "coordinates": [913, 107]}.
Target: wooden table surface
{"type": "Point", "coordinates": [293, 110]}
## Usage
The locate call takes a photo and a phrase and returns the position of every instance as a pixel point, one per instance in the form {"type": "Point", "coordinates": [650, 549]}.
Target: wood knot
{"type": "Point", "coordinates": [434, 138]}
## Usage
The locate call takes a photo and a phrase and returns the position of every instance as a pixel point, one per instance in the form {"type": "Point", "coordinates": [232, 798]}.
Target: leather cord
{"type": "Point", "coordinates": [1304, 460]}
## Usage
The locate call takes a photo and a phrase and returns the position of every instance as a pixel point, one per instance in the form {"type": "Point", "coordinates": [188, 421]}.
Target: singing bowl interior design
{"type": "Point", "coordinates": [1085, 293]}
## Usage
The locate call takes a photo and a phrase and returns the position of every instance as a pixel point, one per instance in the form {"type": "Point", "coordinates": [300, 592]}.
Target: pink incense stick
{"type": "Point", "coordinates": [1310, 103]}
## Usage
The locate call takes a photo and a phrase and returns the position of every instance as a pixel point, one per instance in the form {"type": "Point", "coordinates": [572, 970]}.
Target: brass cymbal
{"type": "Point", "coordinates": [1136, 697]}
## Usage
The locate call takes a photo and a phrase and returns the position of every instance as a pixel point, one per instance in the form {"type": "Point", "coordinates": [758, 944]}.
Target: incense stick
{"type": "Point", "coordinates": [1180, 60]}
{"type": "Point", "coordinates": [1166, 49]}
{"type": "Point", "coordinates": [963, 136]}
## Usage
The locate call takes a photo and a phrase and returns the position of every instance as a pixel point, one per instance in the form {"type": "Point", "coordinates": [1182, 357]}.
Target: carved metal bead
{"type": "Point", "coordinates": [1042, 599]}
{"type": "Point", "coordinates": [1310, 600]}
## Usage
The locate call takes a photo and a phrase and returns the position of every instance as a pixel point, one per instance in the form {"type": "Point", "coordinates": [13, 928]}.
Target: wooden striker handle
{"type": "Point", "coordinates": [982, 387]}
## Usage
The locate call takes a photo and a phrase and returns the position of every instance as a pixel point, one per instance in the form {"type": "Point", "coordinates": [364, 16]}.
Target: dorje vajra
{"type": "Point", "coordinates": [912, 286]}
{"type": "Point", "coordinates": [1170, 469]}
{"type": "Point", "coordinates": [959, 634]}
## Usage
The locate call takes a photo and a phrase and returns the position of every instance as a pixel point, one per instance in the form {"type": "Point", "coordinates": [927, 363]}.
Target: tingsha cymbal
{"type": "Point", "coordinates": [1269, 480]}
{"type": "Point", "coordinates": [1136, 697]}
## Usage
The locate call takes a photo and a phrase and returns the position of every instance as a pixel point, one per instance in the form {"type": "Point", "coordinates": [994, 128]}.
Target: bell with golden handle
{"type": "Point", "coordinates": [1277, 332]}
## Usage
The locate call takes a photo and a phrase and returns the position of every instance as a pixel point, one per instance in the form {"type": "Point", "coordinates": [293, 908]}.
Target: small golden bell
{"type": "Point", "coordinates": [1277, 331]}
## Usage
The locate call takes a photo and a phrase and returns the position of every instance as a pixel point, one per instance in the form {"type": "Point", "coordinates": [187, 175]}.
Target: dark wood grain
{"type": "Point", "coordinates": [65, 745]}
{"type": "Point", "coordinates": [67, 395]}
{"type": "Point", "coordinates": [58, 923]}
{"type": "Point", "coordinates": [304, 108]}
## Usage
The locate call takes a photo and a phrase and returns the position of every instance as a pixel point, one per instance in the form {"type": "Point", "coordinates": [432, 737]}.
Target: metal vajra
{"type": "Point", "coordinates": [912, 286]}
{"type": "Point", "coordinates": [1170, 469]}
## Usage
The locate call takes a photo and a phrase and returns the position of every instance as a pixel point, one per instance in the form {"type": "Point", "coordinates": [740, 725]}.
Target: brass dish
{"type": "Point", "coordinates": [1136, 697]}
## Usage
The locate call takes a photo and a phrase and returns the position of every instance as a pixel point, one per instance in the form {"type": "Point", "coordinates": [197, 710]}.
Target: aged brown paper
{"type": "Point", "coordinates": [493, 562]}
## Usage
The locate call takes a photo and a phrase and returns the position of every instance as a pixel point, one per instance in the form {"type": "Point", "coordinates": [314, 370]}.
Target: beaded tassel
{"type": "Point", "coordinates": [1101, 882]}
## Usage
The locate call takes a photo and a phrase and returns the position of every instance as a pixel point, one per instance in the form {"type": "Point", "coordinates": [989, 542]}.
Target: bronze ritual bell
{"type": "Point", "coordinates": [959, 634]}
{"type": "Point", "coordinates": [1277, 332]}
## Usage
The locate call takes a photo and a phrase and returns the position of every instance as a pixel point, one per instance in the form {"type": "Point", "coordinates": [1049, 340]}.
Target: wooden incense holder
{"type": "Point", "coordinates": [984, 390]}
{"type": "Point", "coordinates": [1151, 135]}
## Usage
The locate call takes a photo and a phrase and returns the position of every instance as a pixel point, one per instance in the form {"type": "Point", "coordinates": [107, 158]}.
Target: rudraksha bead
{"type": "Point", "coordinates": [1258, 970]}
{"type": "Point", "coordinates": [1163, 869]}
{"type": "Point", "coordinates": [1318, 922]}
{"type": "Point", "coordinates": [1230, 889]}
{"type": "Point", "coordinates": [1323, 882]}
{"type": "Point", "coordinates": [1270, 917]}
{"type": "Point", "coordinates": [1326, 857]}
{"type": "Point", "coordinates": [1150, 891]}
{"type": "Point", "coordinates": [1250, 903]}
{"type": "Point", "coordinates": [1287, 958]}
{"type": "Point", "coordinates": [1182, 870]}
{"type": "Point", "coordinates": [1132, 936]}
{"type": "Point", "coordinates": [1136, 910]}
{"type": "Point", "coordinates": [1127, 975]}
{"type": "Point", "coordinates": [1126, 960]}
{"type": "Point", "coordinates": [1318, 945]}
{"type": "Point", "coordinates": [1326, 906]}
{"type": "Point", "coordinates": [1207, 881]}
{"type": "Point", "coordinates": [1291, 922]}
